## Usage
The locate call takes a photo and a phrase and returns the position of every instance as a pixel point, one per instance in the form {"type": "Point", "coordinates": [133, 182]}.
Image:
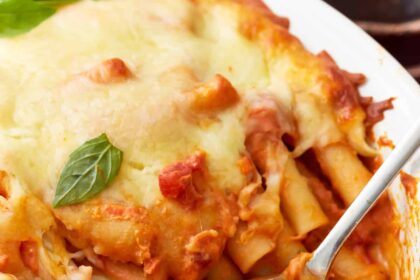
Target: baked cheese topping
{"type": "Point", "coordinates": [214, 106]}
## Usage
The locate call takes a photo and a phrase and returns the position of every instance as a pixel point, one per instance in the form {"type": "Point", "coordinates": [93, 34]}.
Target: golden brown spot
{"type": "Point", "coordinates": [245, 165]}
{"type": "Point", "coordinates": [3, 191]}
{"type": "Point", "coordinates": [10, 257]}
{"type": "Point", "coordinates": [384, 141]}
{"type": "Point", "coordinates": [343, 93]}
{"type": "Point", "coordinates": [260, 29]}
{"type": "Point", "coordinates": [217, 94]}
{"type": "Point", "coordinates": [247, 168]}
{"type": "Point", "coordinates": [410, 184]}
{"type": "Point", "coordinates": [260, 7]}
{"type": "Point", "coordinates": [113, 70]}
{"type": "Point", "coordinates": [251, 28]}
{"type": "Point", "coordinates": [119, 212]}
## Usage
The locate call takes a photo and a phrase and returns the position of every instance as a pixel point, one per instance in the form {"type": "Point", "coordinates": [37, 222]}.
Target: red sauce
{"type": "Point", "coordinates": [265, 124]}
{"type": "Point", "coordinates": [410, 184]}
{"type": "Point", "coordinates": [372, 163]}
{"type": "Point", "coordinates": [296, 268]}
{"type": "Point", "coordinates": [346, 96]}
{"type": "Point", "coordinates": [375, 111]}
{"type": "Point", "coordinates": [29, 255]}
{"type": "Point", "coordinates": [4, 260]}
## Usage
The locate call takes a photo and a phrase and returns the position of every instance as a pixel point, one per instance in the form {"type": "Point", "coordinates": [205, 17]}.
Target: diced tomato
{"type": "Point", "coordinates": [176, 180]}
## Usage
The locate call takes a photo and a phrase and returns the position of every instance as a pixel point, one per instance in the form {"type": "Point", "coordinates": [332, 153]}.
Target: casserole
{"type": "Point", "coordinates": [137, 142]}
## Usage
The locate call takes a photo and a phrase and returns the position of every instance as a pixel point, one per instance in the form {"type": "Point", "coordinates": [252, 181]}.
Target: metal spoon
{"type": "Point", "coordinates": [320, 262]}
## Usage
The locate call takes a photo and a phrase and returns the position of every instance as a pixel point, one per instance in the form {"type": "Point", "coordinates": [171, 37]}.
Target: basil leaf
{"type": "Point", "coordinates": [20, 16]}
{"type": "Point", "coordinates": [89, 171]}
{"type": "Point", "coordinates": [55, 3]}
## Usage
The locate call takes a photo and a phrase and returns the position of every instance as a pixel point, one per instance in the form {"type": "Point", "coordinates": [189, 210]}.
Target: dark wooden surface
{"type": "Point", "coordinates": [379, 10]}
{"type": "Point", "coordinates": [404, 46]}
{"type": "Point", "coordinates": [406, 49]}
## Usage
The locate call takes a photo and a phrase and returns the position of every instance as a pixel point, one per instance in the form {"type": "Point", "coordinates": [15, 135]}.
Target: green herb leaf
{"type": "Point", "coordinates": [20, 16]}
{"type": "Point", "coordinates": [89, 171]}
{"type": "Point", "coordinates": [55, 3]}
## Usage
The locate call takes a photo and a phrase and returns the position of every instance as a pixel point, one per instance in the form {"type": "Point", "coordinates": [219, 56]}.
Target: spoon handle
{"type": "Point", "coordinates": [323, 256]}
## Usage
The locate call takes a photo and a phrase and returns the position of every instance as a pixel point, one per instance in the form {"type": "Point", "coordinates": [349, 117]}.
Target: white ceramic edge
{"type": "Point", "coordinates": [321, 27]}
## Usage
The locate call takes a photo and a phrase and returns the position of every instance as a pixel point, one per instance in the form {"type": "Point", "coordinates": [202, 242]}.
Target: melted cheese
{"type": "Point", "coordinates": [49, 110]}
